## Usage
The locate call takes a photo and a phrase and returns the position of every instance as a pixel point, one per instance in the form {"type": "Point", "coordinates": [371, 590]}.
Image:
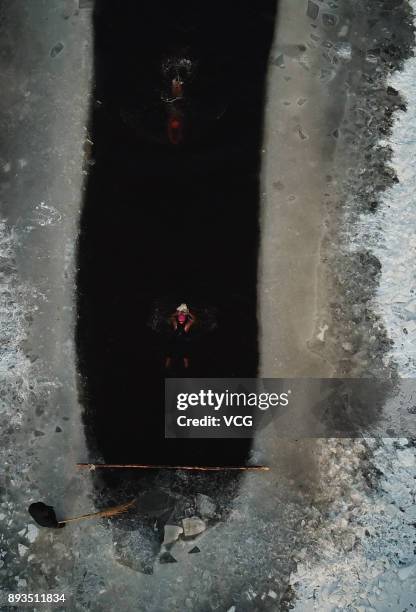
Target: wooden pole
{"type": "Point", "coordinates": [200, 468]}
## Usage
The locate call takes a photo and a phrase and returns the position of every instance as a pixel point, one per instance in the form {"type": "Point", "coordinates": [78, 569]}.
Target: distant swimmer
{"type": "Point", "coordinates": [181, 321]}
{"type": "Point", "coordinates": [177, 88]}
{"type": "Point", "coordinates": [177, 73]}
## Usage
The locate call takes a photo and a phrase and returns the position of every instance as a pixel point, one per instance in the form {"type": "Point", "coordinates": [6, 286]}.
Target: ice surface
{"type": "Point", "coordinates": [365, 556]}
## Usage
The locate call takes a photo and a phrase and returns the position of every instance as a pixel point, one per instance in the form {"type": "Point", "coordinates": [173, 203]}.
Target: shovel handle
{"type": "Point", "coordinates": [115, 510]}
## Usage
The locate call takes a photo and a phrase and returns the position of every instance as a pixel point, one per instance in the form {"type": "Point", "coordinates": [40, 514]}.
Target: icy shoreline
{"type": "Point", "coordinates": [363, 558]}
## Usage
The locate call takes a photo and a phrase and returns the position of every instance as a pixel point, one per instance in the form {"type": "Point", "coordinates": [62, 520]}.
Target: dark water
{"type": "Point", "coordinates": [171, 222]}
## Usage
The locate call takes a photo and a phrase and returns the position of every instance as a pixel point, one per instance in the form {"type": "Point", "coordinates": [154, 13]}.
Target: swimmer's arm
{"type": "Point", "coordinates": [190, 322]}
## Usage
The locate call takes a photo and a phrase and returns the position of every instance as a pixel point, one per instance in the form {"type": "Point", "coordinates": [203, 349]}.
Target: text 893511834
{"type": "Point", "coordinates": [34, 599]}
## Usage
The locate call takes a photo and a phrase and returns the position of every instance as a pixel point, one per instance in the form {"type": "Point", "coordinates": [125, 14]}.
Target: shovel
{"type": "Point", "coordinates": [45, 516]}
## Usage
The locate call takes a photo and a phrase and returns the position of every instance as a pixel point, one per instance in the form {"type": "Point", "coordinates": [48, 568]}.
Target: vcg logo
{"type": "Point", "coordinates": [238, 421]}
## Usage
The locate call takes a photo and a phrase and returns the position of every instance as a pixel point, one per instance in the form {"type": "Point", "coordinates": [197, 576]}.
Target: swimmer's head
{"type": "Point", "coordinates": [181, 317]}
{"type": "Point", "coordinates": [182, 312]}
{"type": "Point", "coordinates": [183, 308]}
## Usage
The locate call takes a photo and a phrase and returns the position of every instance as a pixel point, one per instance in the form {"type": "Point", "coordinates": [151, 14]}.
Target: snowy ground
{"type": "Point", "coordinates": [364, 543]}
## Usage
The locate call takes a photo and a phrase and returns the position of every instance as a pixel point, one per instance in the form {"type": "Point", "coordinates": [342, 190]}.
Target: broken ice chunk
{"type": "Point", "coordinates": [193, 526]}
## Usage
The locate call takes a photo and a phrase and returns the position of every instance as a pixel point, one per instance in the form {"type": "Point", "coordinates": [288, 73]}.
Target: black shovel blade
{"type": "Point", "coordinates": [44, 515]}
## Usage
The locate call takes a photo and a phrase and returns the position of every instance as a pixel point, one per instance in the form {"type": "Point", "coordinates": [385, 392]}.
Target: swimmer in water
{"type": "Point", "coordinates": [181, 321]}
{"type": "Point", "coordinates": [177, 88]}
